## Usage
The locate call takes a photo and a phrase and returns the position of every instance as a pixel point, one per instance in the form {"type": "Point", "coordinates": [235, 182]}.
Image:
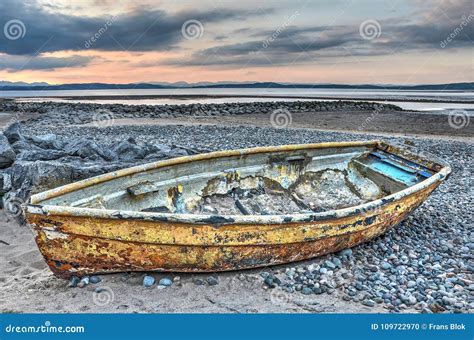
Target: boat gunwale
{"type": "Point", "coordinates": [35, 208]}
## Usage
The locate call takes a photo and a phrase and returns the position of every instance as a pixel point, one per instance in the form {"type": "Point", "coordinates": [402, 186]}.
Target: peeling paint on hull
{"type": "Point", "coordinates": [81, 244]}
{"type": "Point", "coordinates": [83, 253]}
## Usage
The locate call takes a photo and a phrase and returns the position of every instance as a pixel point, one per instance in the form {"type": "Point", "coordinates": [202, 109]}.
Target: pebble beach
{"type": "Point", "coordinates": [423, 265]}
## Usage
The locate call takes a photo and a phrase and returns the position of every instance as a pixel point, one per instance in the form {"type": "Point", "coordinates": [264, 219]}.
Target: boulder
{"type": "Point", "coordinates": [4, 182]}
{"type": "Point", "coordinates": [33, 177]}
{"type": "Point", "coordinates": [40, 175]}
{"type": "Point", "coordinates": [89, 150]}
{"type": "Point", "coordinates": [128, 150]}
{"type": "Point", "coordinates": [48, 141]}
{"type": "Point", "coordinates": [44, 162]}
{"type": "Point", "coordinates": [7, 155]}
{"type": "Point", "coordinates": [40, 155]}
{"type": "Point", "coordinates": [13, 133]}
{"type": "Point", "coordinates": [24, 145]}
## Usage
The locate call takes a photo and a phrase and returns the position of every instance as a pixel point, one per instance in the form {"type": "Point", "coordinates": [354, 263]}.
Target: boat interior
{"type": "Point", "coordinates": [301, 180]}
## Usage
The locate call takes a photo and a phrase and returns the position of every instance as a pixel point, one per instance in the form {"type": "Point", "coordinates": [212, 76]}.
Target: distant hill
{"type": "Point", "coordinates": [453, 86]}
{"type": "Point", "coordinates": [20, 86]}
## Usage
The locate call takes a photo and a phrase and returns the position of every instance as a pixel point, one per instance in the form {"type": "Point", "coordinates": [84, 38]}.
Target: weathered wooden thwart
{"type": "Point", "coordinates": [231, 210]}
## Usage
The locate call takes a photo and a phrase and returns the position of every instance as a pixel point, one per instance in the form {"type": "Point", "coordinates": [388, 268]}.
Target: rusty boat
{"type": "Point", "coordinates": [231, 210]}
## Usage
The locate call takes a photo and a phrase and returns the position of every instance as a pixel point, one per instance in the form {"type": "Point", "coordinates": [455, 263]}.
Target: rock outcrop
{"type": "Point", "coordinates": [34, 164]}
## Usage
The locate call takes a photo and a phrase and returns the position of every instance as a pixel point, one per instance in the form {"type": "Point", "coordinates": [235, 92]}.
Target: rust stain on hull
{"type": "Point", "coordinates": [79, 246]}
{"type": "Point", "coordinates": [115, 222]}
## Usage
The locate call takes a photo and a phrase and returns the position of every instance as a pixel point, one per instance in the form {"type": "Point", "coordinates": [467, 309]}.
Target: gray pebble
{"type": "Point", "coordinates": [212, 280]}
{"type": "Point", "coordinates": [329, 264]}
{"type": "Point", "coordinates": [336, 262]}
{"type": "Point", "coordinates": [346, 252]}
{"type": "Point", "coordinates": [94, 279]}
{"type": "Point", "coordinates": [84, 282]}
{"type": "Point", "coordinates": [198, 282]}
{"type": "Point", "coordinates": [74, 281]}
{"type": "Point", "coordinates": [368, 303]}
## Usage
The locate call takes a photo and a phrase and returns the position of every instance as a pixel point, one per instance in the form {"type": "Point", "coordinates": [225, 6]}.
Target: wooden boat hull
{"type": "Point", "coordinates": [75, 244]}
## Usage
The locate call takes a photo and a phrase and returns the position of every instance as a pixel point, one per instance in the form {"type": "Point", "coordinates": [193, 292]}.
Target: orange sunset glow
{"type": "Point", "coordinates": [145, 42]}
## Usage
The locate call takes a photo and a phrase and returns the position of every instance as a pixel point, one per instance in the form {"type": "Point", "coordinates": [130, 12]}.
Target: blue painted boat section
{"type": "Point", "coordinates": [407, 165]}
{"type": "Point", "coordinates": [394, 172]}
{"type": "Point", "coordinates": [399, 169]}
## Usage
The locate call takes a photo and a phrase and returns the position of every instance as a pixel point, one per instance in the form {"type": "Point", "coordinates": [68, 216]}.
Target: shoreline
{"type": "Point", "coordinates": [213, 96]}
{"type": "Point", "coordinates": [357, 117]}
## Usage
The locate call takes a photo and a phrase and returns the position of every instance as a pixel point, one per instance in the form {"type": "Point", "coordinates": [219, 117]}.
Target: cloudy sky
{"type": "Point", "coordinates": [304, 41]}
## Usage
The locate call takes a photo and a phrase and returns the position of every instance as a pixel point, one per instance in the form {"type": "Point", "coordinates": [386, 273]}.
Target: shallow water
{"type": "Point", "coordinates": [440, 100]}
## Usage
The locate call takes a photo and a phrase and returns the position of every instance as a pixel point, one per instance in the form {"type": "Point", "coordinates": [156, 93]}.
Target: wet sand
{"type": "Point", "coordinates": [390, 124]}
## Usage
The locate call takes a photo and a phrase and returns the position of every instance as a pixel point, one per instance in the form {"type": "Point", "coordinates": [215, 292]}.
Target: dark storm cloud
{"type": "Point", "coordinates": [293, 31]}
{"type": "Point", "coordinates": [14, 63]}
{"type": "Point", "coordinates": [430, 34]}
{"type": "Point", "coordinates": [150, 29]}
{"type": "Point", "coordinates": [141, 30]}
{"type": "Point", "coordinates": [293, 41]}
{"type": "Point", "coordinates": [294, 44]}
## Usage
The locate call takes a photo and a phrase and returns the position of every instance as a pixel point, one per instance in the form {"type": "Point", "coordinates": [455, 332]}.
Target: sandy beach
{"type": "Point", "coordinates": [427, 256]}
{"type": "Point", "coordinates": [28, 286]}
{"type": "Point", "coordinates": [397, 124]}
